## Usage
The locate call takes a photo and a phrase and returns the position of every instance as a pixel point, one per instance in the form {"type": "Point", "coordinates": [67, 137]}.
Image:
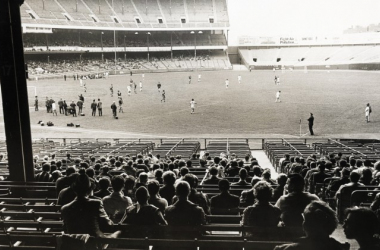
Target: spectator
{"type": "Point", "coordinates": [155, 199]}
{"type": "Point", "coordinates": [184, 212]}
{"type": "Point", "coordinates": [233, 170]}
{"type": "Point", "coordinates": [320, 221]}
{"type": "Point", "coordinates": [65, 181]}
{"type": "Point", "coordinates": [213, 180]}
{"type": "Point", "coordinates": [224, 203]}
{"type": "Point", "coordinates": [334, 186]}
{"type": "Point", "coordinates": [158, 176]}
{"type": "Point", "coordinates": [67, 194]}
{"type": "Point", "coordinates": [267, 177]}
{"type": "Point", "coordinates": [142, 213]}
{"type": "Point", "coordinates": [362, 224]}
{"type": "Point", "coordinates": [247, 197]}
{"type": "Point", "coordinates": [279, 190]}
{"type": "Point", "coordinates": [104, 184]}
{"type": "Point", "coordinates": [293, 204]}
{"type": "Point", "coordinates": [168, 190]}
{"type": "Point", "coordinates": [318, 177]}
{"type": "Point", "coordinates": [366, 178]}
{"type": "Point", "coordinates": [84, 215]}
{"type": "Point", "coordinates": [44, 176]}
{"type": "Point", "coordinates": [242, 178]}
{"type": "Point", "coordinates": [262, 213]}
{"type": "Point", "coordinates": [116, 203]}
{"type": "Point", "coordinates": [352, 185]}
{"type": "Point", "coordinates": [55, 175]}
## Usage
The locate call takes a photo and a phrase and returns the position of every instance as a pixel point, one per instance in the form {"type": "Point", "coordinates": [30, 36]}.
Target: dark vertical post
{"type": "Point", "coordinates": [14, 93]}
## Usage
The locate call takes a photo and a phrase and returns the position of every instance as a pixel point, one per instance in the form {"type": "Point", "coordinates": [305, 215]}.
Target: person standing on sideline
{"type": "Point", "coordinates": [65, 107]}
{"type": "Point", "coordinates": [278, 96]}
{"type": "Point", "coordinates": [114, 109]}
{"type": "Point", "coordinates": [239, 78]}
{"type": "Point", "coordinates": [64, 77]}
{"type": "Point", "coordinates": [163, 96]}
{"type": "Point", "coordinates": [128, 89]}
{"type": "Point", "coordinates": [54, 108]}
{"type": "Point", "coordinates": [311, 123]}
{"type": "Point", "coordinates": [36, 104]}
{"type": "Point", "coordinates": [80, 106]}
{"type": "Point", "coordinates": [368, 111]}
{"type": "Point", "coordinates": [93, 108]}
{"type": "Point", "coordinates": [60, 105]}
{"type": "Point", "coordinates": [192, 106]}
{"type": "Point", "coordinates": [81, 82]}
{"type": "Point", "coordinates": [140, 86]}
{"type": "Point", "coordinates": [73, 108]}
{"type": "Point", "coordinates": [227, 83]}
{"type": "Point", "coordinates": [100, 107]}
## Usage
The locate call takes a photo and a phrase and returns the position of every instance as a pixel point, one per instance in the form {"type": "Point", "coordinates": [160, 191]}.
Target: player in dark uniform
{"type": "Point", "coordinates": [163, 96]}
{"type": "Point", "coordinates": [111, 89]}
{"type": "Point", "coordinates": [159, 86]}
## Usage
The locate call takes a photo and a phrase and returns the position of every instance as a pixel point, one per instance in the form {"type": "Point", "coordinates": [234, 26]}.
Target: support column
{"type": "Point", "coordinates": [14, 93]}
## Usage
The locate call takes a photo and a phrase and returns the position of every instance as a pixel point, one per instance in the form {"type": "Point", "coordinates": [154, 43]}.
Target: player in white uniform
{"type": "Point", "coordinates": [81, 82]}
{"type": "Point", "coordinates": [143, 76]}
{"type": "Point", "coordinates": [278, 80]}
{"type": "Point", "coordinates": [140, 86]}
{"type": "Point", "coordinates": [239, 78]}
{"type": "Point", "coordinates": [129, 89]}
{"type": "Point", "coordinates": [227, 82]}
{"type": "Point", "coordinates": [278, 96]}
{"type": "Point", "coordinates": [368, 111]}
{"type": "Point", "coordinates": [199, 77]}
{"type": "Point", "coordinates": [192, 106]}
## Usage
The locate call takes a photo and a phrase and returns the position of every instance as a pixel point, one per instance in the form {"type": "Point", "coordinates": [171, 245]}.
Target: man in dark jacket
{"type": "Point", "coordinates": [224, 203]}
{"type": "Point", "coordinates": [73, 108]}
{"type": "Point", "coordinates": [311, 123]}
{"type": "Point", "coordinates": [114, 109]}
{"type": "Point", "coordinates": [93, 107]}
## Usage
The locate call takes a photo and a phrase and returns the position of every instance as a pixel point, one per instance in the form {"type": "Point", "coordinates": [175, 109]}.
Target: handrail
{"type": "Point", "coordinates": [339, 143]}
{"type": "Point", "coordinates": [292, 146]}
{"type": "Point", "coordinates": [174, 147]}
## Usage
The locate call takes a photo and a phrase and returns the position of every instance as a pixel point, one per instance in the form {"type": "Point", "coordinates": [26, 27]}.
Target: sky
{"type": "Point", "coordinates": [299, 17]}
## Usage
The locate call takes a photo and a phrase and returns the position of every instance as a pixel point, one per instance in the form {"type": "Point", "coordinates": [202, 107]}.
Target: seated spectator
{"type": "Point", "coordinates": [64, 181]}
{"type": "Point", "coordinates": [84, 215]}
{"type": "Point", "coordinates": [116, 203]}
{"type": "Point", "coordinates": [158, 176]}
{"type": "Point", "coordinates": [168, 190]}
{"type": "Point", "coordinates": [104, 173]}
{"type": "Point", "coordinates": [155, 199]}
{"type": "Point", "coordinates": [104, 184]}
{"type": "Point", "coordinates": [224, 203]}
{"type": "Point", "coordinates": [242, 178]}
{"type": "Point", "coordinates": [142, 180]}
{"type": "Point", "coordinates": [233, 170]}
{"type": "Point", "coordinates": [320, 222]}
{"type": "Point", "coordinates": [366, 178]}
{"type": "Point", "coordinates": [334, 186]}
{"type": "Point", "coordinates": [142, 213]}
{"type": "Point", "coordinates": [183, 212]}
{"type": "Point", "coordinates": [247, 197]}
{"type": "Point", "coordinates": [55, 175]}
{"type": "Point", "coordinates": [267, 177]}
{"type": "Point", "coordinates": [44, 176]}
{"type": "Point", "coordinates": [129, 187]}
{"type": "Point", "coordinates": [129, 169]}
{"type": "Point", "coordinates": [262, 213]}
{"type": "Point", "coordinates": [196, 197]}
{"type": "Point", "coordinates": [213, 179]}
{"type": "Point", "coordinates": [362, 224]}
{"type": "Point", "coordinates": [182, 172]}
{"type": "Point", "coordinates": [279, 190]}
{"type": "Point", "coordinates": [293, 204]}
{"type": "Point", "coordinates": [352, 185]}
{"type": "Point", "coordinates": [67, 194]}
{"type": "Point", "coordinates": [318, 177]}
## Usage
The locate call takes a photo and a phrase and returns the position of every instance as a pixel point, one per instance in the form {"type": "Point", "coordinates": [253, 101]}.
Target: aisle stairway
{"type": "Point", "coordinates": [264, 161]}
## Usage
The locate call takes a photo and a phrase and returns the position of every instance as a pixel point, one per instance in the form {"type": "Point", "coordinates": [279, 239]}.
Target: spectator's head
{"type": "Point", "coordinates": [367, 174]}
{"type": "Point", "coordinates": [359, 163]}
{"type": "Point", "coordinates": [281, 179]}
{"type": "Point", "coordinates": [142, 195]}
{"type": "Point", "coordinates": [256, 171]}
{"type": "Point", "coordinates": [243, 173]}
{"type": "Point", "coordinates": [216, 160]}
{"type": "Point", "coordinates": [169, 178]}
{"type": "Point", "coordinates": [354, 177]}
{"type": "Point", "coordinates": [56, 174]}
{"type": "Point", "coordinates": [213, 171]}
{"type": "Point", "coordinates": [345, 173]}
{"type": "Point", "coordinates": [352, 162]}
{"type": "Point", "coordinates": [295, 183]}
{"type": "Point", "coordinates": [319, 219]}
{"type": "Point", "coordinates": [46, 167]}
{"type": "Point", "coordinates": [90, 172]}
{"type": "Point", "coordinates": [158, 173]}
{"type": "Point", "coordinates": [70, 170]}
{"type": "Point", "coordinates": [82, 185]}
{"type": "Point", "coordinates": [184, 171]}
{"type": "Point", "coordinates": [255, 180]}
{"type": "Point", "coordinates": [153, 188]}
{"type": "Point", "coordinates": [182, 190]}
{"type": "Point", "coordinates": [266, 174]}
{"type": "Point", "coordinates": [360, 223]}
{"type": "Point", "coordinates": [262, 191]}
{"type": "Point", "coordinates": [343, 163]}
{"type": "Point", "coordinates": [143, 178]}
{"type": "Point", "coordinates": [190, 178]}
{"type": "Point", "coordinates": [224, 185]}
{"type": "Point", "coordinates": [118, 183]}
{"type": "Point", "coordinates": [104, 183]}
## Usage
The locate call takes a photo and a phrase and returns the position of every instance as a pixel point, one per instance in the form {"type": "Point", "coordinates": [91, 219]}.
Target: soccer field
{"type": "Point", "coordinates": [337, 100]}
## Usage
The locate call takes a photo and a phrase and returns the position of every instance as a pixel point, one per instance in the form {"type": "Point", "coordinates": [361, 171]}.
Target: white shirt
{"type": "Point", "coordinates": [367, 111]}
{"type": "Point", "coordinates": [129, 88]}
{"type": "Point", "coordinates": [227, 82]}
{"type": "Point", "coordinates": [140, 84]}
{"type": "Point", "coordinates": [199, 76]}
{"type": "Point", "coordinates": [143, 75]}
{"type": "Point", "coordinates": [239, 78]}
{"type": "Point", "coordinates": [192, 104]}
{"type": "Point", "coordinates": [53, 106]}
{"type": "Point", "coordinates": [278, 95]}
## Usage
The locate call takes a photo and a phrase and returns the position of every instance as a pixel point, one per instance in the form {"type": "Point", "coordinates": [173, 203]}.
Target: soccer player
{"type": "Point", "coordinates": [199, 77]}
{"type": "Point", "coordinates": [84, 87]}
{"type": "Point", "coordinates": [140, 86]}
{"type": "Point", "coordinates": [143, 76]}
{"type": "Point", "coordinates": [368, 111]}
{"type": "Point", "coordinates": [159, 86]}
{"type": "Point", "coordinates": [121, 105]}
{"type": "Point", "coordinates": [192, 106]}
{"type": "Point", "coordinates": [118, 93]}
{"type": "Point", "coordinates": [275, 80]}
{"type": "Point", "coordinates": [227, 82]}
{"type": "Point", "coordinates": [278, 96]}
{"type": "Point", "coordinates": [81, 82]}
{"type": "Point", "coordinates": [134, 87]}
{"type": "Point", "coordinates": [189, 79]}
{"type": "Point", "coordinates": [239, 78]}
{"type": "Point", "coordinates": [129, 90]}
{"type": "Point", "coordinates": [278, 80]}
{"type": "Point", "coordinates": [163, 95]}
{"type": "Point", "coordinates": [100, 107]}
{"type": "Point", "coordinates": [111, 89]}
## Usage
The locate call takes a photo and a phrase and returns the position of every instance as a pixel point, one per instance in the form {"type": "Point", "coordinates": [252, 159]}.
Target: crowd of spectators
{"type": "Point", "coordinates": [149, 190]}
